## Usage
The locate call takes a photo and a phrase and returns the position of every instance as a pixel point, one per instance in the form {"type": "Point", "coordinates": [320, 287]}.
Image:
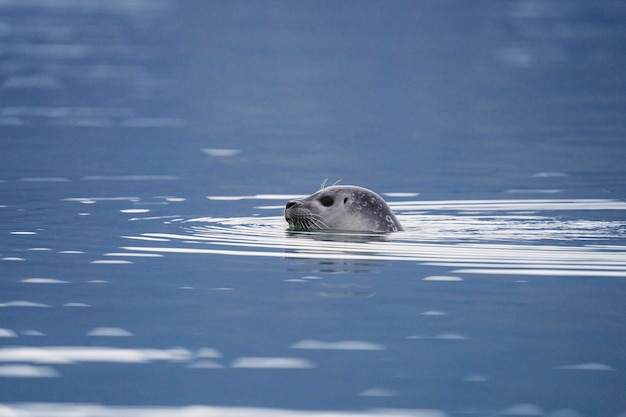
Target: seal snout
{"type": "Point", "coordinates": [291, 203]}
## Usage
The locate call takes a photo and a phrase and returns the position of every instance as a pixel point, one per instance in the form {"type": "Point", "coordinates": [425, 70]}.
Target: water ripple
{"type": "Point", "coordinates": [508, 237]}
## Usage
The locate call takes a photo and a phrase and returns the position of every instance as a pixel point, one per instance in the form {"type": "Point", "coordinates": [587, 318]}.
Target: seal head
{"type": "Point", "coordinates": [342, 208]}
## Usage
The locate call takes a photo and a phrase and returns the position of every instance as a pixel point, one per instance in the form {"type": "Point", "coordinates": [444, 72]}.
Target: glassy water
{"type": "Point", "coordinates": [147, 152]}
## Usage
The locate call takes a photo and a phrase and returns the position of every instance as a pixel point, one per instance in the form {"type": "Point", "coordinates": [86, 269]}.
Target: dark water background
{"type": "Point", "coordinates": [155, 105]}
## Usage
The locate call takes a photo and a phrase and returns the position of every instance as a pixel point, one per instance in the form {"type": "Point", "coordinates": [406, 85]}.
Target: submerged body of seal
{"type": "Point", "coordinates": [342, 208]}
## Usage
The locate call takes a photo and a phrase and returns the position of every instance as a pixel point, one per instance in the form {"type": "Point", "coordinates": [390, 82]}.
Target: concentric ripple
{"type": "Point", "coordinates": [508, 237]}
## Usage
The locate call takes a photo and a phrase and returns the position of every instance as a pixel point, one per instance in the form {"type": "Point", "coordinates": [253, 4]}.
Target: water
{"type": "Point", "coordinates": [148, 149]}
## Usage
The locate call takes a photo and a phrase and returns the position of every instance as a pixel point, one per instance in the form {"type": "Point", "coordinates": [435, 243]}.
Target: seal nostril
{"type": "Point", "coordinates": [290, 204]}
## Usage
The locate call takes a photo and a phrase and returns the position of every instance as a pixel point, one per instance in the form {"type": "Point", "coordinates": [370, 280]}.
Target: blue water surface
{"type": "Point", "coordinates": [147, 150]}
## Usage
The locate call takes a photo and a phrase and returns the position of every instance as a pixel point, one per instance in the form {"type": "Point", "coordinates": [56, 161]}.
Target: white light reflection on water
{"type": "Point", "coordinates": [27, 371]}
{"type": "Point", "coordinates": [342, 345]}
{"type": "Point", "coordinates": [84, 410]}
{"type": "Point", "coordinates": [109, 332]}
{"type": "Point", "coordinates": [272, 363]}
{"type": "Point", "coordinates": [507, 237]}
{"type": "Point", "coordinates": [78, 354]}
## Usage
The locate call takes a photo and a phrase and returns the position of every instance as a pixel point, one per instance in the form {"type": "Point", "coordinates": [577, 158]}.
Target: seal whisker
{"type": "Point", "coordinates": [310, 221]}
{"type": "Point", "coordinates": [313, 221]}
{"type": "Point", "coordinates": [318, 221]}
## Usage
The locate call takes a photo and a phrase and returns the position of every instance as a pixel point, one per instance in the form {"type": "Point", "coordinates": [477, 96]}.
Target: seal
{"type": "Point", "coordinates": [342, 208]}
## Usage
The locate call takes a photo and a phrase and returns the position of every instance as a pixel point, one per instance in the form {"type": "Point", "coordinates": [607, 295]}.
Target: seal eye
{"type": "Point", "coordinates": [327, 201]}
